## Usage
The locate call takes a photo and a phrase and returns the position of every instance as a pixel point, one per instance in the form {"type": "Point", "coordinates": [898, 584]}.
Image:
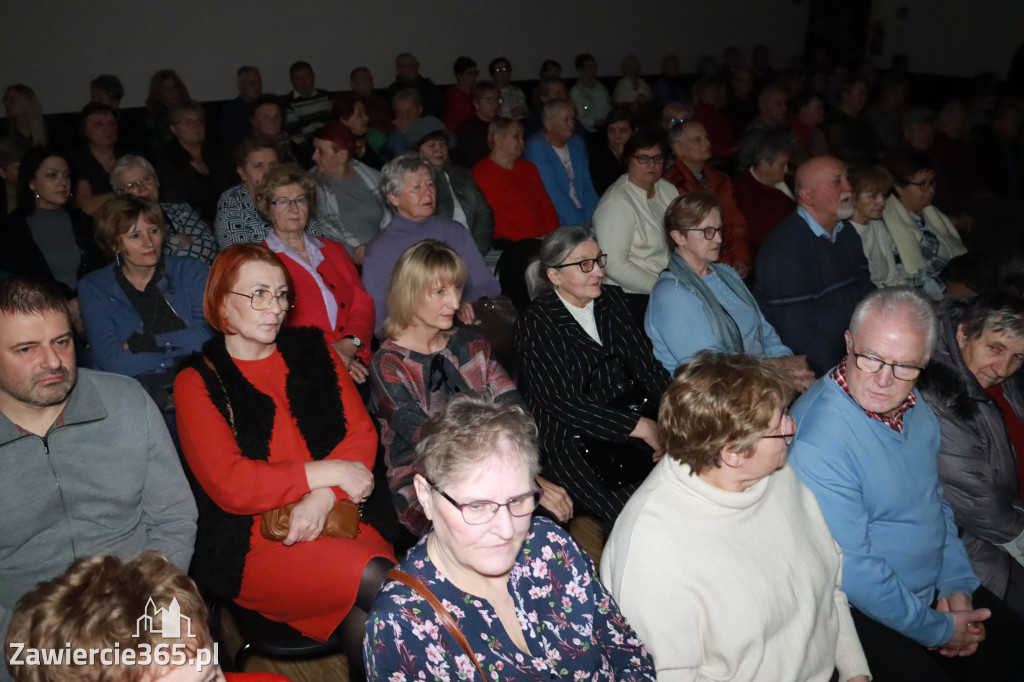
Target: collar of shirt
{"type": "Point", "coordinates": [894, 422]}
{"type": "Point", "coordinates": [584, 316]}
{"type": "Point", "coordinates": [817, 229]}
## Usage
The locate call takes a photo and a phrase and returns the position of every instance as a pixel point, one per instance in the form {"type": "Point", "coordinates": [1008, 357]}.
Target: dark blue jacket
{"type": "Point", "coordinates": [110, 318]}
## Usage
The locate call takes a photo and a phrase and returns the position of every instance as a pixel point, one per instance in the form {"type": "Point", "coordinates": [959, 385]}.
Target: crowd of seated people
{"type": "Point", "coordinates": [299, 288]}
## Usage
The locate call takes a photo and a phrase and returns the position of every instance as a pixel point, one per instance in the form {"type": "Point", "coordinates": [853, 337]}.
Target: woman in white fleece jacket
{"type": "Point", "coordinates": [722, 561]}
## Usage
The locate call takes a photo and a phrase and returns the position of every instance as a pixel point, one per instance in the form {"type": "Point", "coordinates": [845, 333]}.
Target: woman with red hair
{"type": "Point", "coordinates": [350, 205]}
{"type": "Point", "coordinates": [267, 417]}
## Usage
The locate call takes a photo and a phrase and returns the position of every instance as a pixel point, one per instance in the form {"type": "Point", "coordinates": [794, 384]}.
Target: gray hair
{"type": "Point", "coordinates": [126, 162]}
{"type": "Point", "coordinates": [555, 248]}
{"type": "Point", "coordinates": [459, 443]}
{"type": "Point", "coordinates": [411, 94]}
{"type": "Point", "coordinates": [679, 129]}
{"type": "Point", "coordinates": [898, 301]}
{"type": "Point", "coordinates": [997, 313]}
{"type": "Point", "coordinates": [770, 147]}
{"type": "Point", "coordinates": [392, 175]}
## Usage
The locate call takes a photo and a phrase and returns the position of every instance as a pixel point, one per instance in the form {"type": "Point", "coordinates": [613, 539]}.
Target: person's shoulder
{"type": "Point", "coordinates": [99, 278]}
{"type": "Point", "coordinates": [185, 266]}
{"type": "Point", "coordinates": [540, 309]}
{"type": "Point", "coordinates": [792, 229]}
{"type": "Point", "coordinates": [111, 386]}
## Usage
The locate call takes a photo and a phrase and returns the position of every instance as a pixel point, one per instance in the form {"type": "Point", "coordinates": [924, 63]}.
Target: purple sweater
{"type": "Point", "coordinates": [383, 251]}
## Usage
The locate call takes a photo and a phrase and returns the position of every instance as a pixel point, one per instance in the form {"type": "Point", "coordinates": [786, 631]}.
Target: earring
{"type": "Point", "coordinates": [117, 258]}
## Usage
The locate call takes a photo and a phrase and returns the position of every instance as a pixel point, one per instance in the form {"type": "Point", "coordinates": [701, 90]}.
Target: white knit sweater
{"type": "Point", "coordinates": [732, 586]}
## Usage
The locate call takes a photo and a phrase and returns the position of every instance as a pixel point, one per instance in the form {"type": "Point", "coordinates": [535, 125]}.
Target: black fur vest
{"type": "Point", "coordinates": [223, 539]}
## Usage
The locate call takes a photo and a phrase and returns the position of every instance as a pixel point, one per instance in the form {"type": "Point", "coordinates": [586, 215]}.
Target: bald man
{"type": "Point", "coordinates": [811, 271]}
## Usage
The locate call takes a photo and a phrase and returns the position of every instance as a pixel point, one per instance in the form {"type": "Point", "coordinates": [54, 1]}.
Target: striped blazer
{"type": "Point", "coordinates": [567, 378]}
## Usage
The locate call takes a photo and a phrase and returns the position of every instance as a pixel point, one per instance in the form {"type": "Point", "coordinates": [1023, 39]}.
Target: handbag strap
{"type": "Point", "coordinates": [224, 390]}
{"type": "Point", "coordinates": [416, 585]}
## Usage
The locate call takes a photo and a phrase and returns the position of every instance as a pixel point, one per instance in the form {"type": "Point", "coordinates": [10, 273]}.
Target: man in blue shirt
{"type": "Point", "coordinates": [867, 446]}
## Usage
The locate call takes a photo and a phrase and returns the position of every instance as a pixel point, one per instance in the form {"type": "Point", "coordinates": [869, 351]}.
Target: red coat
{"type": "Point", "coordinates": [736, 248]}
{"type": "Point", "coordinates": [521, 205]}
{"type": "Point", "coordinates": [764, 206]}
{"type": "Point", "coordinates": [355, 307]}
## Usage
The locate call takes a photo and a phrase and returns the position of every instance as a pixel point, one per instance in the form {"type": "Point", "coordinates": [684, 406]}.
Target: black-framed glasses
{"type": "Point", "coordinates": [479, 512]}
{"type": "Point", "coordinates": [925, 186]}
{"type": "Point", "coordinates": [587, 264]}
{"type": "Point", "coordinates": [873, 365]}
{"type": "Point", "coordinates": [284, 202]}
{"type": "Point", "coordinates": [647, 159]}
{"type": "Point", "coordinates": [787, 437]}
{"type": "Point", "coordinates": [709, 232]}
{"type": "Point", "coordinates": [262, 298]}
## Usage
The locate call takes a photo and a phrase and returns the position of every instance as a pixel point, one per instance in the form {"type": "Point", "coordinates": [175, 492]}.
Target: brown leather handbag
{"type": "Point", "coordinates": [342, 521]}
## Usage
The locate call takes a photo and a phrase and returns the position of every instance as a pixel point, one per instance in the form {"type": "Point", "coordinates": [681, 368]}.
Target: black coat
{"type": "Point", "coordinates": [568, 379]}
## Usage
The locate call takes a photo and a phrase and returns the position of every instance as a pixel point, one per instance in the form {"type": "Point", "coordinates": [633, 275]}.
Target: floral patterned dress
{"type": "Point", "coordinates": [572, 626]}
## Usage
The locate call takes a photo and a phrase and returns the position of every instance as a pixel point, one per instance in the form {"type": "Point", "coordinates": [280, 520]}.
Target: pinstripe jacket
{"type": "Point", "coordinates": [567, 377]}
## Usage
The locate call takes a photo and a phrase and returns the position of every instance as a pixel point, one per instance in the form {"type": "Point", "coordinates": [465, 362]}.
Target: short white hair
{"type": "Point", "coordinates": [904, 302]}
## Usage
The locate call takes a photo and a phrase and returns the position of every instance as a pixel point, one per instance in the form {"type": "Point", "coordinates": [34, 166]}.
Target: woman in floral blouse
{"type": "Point", "coordinates": [527, 599]}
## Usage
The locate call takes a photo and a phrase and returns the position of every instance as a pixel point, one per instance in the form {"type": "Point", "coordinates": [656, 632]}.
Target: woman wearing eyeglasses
{"type": "Point", "coordinates": [526, 599]}
{"type": "Point", "coordinates": [424, 362]}
{"type": "Point", "coordinates": [581, 353]}
{"type": "Point", "coordinates": [698, 304]}
{"type": "Point", "coordinates": [187, 234]}
{"type": "Point", "coordinates": [926, 240]}
{"type": "Point", "coordinates": [755, 571]}
{"type": "Point", "coordinates": [328, 292]}
{"type": "Point", "coordinates": [628, 221]}
{"type": "Point", "coordinates": [267, 417]}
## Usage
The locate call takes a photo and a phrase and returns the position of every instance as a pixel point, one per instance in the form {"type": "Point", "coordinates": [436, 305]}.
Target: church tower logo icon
{"type": "Point", "coordinates": [166, 622]}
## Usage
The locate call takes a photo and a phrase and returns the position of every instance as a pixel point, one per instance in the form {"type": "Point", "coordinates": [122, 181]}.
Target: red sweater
{"type": "Point", "coordinates": [734, 235]}
{"type": "Point", "coordinates": [521, 205]}
{"type": "Point", "coordinates": [764, 206]}
{"type": "Point", "coordinates": [355, 307]}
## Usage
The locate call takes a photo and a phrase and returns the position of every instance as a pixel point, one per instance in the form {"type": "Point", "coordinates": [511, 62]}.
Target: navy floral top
{"type": "Point", "coordinates": [572, 625]}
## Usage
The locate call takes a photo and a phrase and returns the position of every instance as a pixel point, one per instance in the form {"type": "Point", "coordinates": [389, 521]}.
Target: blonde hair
{"type": "Point", "coordinates": [501, 126]}
{"type": "Point", "coordinates": [420, 267]}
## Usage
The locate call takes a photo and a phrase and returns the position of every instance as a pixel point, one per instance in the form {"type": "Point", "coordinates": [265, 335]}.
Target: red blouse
{"type": "Point", "coordinates": [521, 205]}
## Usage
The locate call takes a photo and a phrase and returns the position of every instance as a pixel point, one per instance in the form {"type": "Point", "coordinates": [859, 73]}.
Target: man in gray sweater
{"type": "Point", "coordinates": [86, 463]}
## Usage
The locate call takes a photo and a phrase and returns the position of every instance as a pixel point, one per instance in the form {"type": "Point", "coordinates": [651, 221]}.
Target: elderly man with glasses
{"type": "Point", "coordinates": [866, 445]}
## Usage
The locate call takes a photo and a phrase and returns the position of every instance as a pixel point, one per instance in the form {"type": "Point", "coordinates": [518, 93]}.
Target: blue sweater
{"type": "Point", "coordinates": [880, 493]}
{"type": "Point", "coordinates": [679, 329]}
{"type": "Point", "coordinates": [110, 318]}
{"type": "Point", "coordinates": [556, 180]}
{"type": "Point", "coordinates": [807, 287]}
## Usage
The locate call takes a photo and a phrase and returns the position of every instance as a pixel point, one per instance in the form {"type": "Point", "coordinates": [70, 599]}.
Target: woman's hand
{"type": "Point", "coordinates": [647, 431]}
{"type": "Point", "coordinates": [355, 479]}
{"type": "Point", "coordinates": [465, 313]}
{"type": "Point", "coordinates": [555, 499]}
{"type": "Point", "coordinates": [347, 350]}
{"type": "Point", "coordinates": [796, 368]}
{"type": "Point", "coordinates": [182, 240]}
{"type": "Point", "coordinates": [309, 516]}
{"type": "Point", "coordinates": [76, 316]}
{"type": "Point", "coordinates": [358, 254]}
